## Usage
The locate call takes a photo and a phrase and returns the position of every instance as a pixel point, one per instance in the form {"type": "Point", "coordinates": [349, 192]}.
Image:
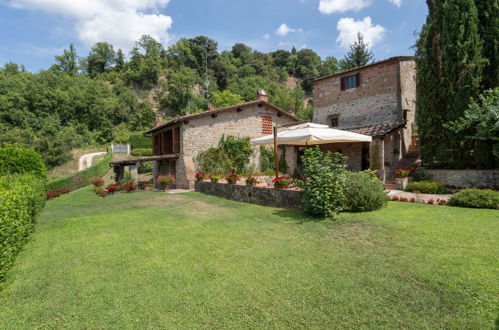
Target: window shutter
{"type": "Point", "coordinates": [343, 83]}
{"type": "Point", "coordinates": [357, 79]}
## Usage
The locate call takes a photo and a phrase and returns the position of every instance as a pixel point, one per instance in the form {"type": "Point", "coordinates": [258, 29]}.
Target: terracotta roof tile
{"type": "Point", "coordinates": [377, 130]}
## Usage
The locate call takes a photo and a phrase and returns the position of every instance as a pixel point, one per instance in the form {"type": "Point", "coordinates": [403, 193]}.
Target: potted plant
{"type": "Point", "coordinates": [166, 181]}
{"type": "Point", "coordinates": [232, 179]}
{"type": "Point", "coordinates": [148, 186]}
{"type": "Point", "coordinates": [402, 177]}
{"type": "Point", "coordinates": [97, 182]}
{"type": "Point", "coordinates": [251, 181]}
{"type": "Point", "coordinates": [215, 178]}
{"type": "Point", "coordinates": [281, 182]}
{"type": "Point", "coordinates": [200, 176]}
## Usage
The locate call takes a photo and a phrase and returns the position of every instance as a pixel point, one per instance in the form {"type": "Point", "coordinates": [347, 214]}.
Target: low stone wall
{"type": "Point", "coordinates": [254, 195]}
{"type": "Point", "coordinates": [466, 178]}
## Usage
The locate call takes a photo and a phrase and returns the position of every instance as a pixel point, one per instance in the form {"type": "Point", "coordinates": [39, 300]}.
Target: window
{"type": "Point", "coordinates": [350, 82]}
{"type": "Point", "coordinates": [334, 121]}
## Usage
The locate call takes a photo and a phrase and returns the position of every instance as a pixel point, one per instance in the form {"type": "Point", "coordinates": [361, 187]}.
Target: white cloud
{"type": "Point", "coordinates": [119, 22]}
{"type": "Point", "coordinates": [397, 3]}
{"type": "Point", "coordinates": [266, 36]}
{"type": "Point", "coordinates": [283, 30]}
{"type": "Point", "coordinates": [348, 29]}
{"type": "Point", "coordinates": [340, 6]}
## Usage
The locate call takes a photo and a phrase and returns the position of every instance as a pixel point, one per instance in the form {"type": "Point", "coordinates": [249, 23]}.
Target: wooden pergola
{"type": "Point", "coordinates": [132, 164]}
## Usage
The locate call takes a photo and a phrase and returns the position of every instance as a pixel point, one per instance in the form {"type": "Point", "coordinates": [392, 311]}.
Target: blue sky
{"type": "Point", "coordinates": [33, 31]}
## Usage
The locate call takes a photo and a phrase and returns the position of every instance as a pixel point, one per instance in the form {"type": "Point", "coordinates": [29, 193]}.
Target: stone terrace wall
{"type": "Point", "coordinates": [466, 178]}
{"type": "Point", "coordinates": [254, 195]}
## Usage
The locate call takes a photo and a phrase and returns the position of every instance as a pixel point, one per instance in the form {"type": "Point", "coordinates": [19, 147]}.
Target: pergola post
{"type": "Point", "coordinates": [134, 173]}
{"type": "Point", "coordinates": [120, 173]}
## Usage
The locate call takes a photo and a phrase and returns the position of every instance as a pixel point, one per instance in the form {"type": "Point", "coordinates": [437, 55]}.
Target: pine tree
{"type": "Point", "coordinates": [68, 62]}
{"type": "Point", "coordinates": [449, 71]}
{"type": "Point", "coordinates": [358, 54]}
{"type": "Point", "coordinates": [488, 16]}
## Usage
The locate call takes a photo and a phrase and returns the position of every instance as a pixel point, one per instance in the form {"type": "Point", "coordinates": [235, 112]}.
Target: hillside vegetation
{"type": "Point", "coordinates": [81, 102]}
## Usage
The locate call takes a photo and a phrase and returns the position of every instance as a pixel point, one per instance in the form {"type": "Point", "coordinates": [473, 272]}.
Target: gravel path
{"type": "Point", "coordinates": [419, 197]}
{"type": "Point", "coordinates": [86, 160]}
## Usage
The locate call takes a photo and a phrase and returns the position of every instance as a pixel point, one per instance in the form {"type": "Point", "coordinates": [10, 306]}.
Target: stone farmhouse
{"type": "Point", "coordinates": [379, 100]}
{"type": "Point", "coordinates": [177, 143]}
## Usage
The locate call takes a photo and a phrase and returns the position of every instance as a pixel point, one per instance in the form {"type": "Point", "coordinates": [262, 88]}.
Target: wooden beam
{"type": "Point", "coordinates": [276, 156]}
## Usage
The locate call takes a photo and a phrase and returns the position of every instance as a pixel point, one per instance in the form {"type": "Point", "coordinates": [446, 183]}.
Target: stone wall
{"type": "Point", "coordinates": [375, 101]}
{"type": "Point", "coordinates": [254, 195]}
{"type": "Point", "coordinates": [205, 132]}
{"type": "Point", "coordinates": [408, 100]}
{"type": "Point", "coordinates": [352, 150]}
{"type": "Point", "coordinates": [466, 178]}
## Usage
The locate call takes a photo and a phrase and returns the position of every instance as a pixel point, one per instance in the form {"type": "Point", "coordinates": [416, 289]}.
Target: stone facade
{"type": "Point", "coordinates": [199, 133]}
{"type": "Point", "coordinates": [466, 178]}
{"type": "Point", "coordinates": [254, 195]}
{"type": "Point", "coordinates": [385, 96]}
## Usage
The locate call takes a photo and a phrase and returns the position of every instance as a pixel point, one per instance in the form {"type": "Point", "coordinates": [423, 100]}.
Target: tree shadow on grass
{"type": "Point", "coordinates": [297, 216]}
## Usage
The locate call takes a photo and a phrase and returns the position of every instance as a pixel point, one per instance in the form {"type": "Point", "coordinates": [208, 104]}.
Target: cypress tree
{"type": "Point", "coordinates": [488, 16]}
{"type": "Point", "coordinates": [449, 71]}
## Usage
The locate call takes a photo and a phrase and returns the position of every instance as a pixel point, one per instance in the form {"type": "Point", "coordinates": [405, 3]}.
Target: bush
{"type": "Point", "coordinates": [97, 182]}
{"type": "Point", "coordinates": [420, 174]}
{"type": "Point", "coordinates": [325, 185]}
{"type": "Point", "coordinates": [144, 152]}
{"type": "Point", "coordinates": [427, 187]}
{"type": "Point", "coordinates": [267, 161]}
{"type": "Point", "coordinates": [144, 168]}
{"type": "Point", "coordinates": [363, 193]}
{"type": "Point", "coordinates": [231, 156]}
{"type": "Point", "coordinates": [166, 180]}
{"type": "Point", "coordinates": [14, 160]}
{"type": "Point", "coordinates": [476, 198]}
{"type": "Point", "coordinates": [22, 197]}
{"type": "Point", "coordinates": [139, 141]}
{"type": "Point", "coordinates": [82, 178]}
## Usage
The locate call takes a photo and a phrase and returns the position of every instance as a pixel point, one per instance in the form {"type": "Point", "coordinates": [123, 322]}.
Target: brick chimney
{"type": "Point", "coordinates": [261, 95]}
{"type": "Point", "coordinates": [159, 120]}
{"type": "Point", "coordinates": [211, 107]}
{"type": "Point", "coordinates": [292, 110]}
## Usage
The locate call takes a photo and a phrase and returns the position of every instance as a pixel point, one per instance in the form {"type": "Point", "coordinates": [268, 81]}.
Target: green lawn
{"type": "Point", "coordinates": [154, 260]}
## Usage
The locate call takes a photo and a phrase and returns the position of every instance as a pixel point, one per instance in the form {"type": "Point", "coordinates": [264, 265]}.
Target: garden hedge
{"type": "Point", "coordinates": [15, 160]}
{"type": "Point", "coordinates": [22, 197]}
{"type": "Point", "coordinates": [144, 152]}
{"type": "Point", "coordinates": [476, 198]}
{"type": "Point", "coordinates": [82, 178]}
{"type": "Point", "coordinates": [139, 141]}
{"type": "Point", "coordinates": [427, 187]}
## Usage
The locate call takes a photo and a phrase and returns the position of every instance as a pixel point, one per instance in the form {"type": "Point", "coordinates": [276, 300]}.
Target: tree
{"type": "Point", "coordinates": [68, 61]}
{"type": "Point", "coordinates": [358, 54]}
{"type": "Point", "coordinates": [480, 123]}
{"type": "Point", "coordinates": [225, 99]}
{"type": "Point", "coordinates": [307, 67]}
{"type": "Point", "coordinates": [120, 60]}
{"type": "Point", "coordinates": [329, 66]}
{"type": "Point", "coordinates": [100, 59]}
{"type": "Point", "coordinates": [488, 17]}
{"type": "Point", "coordinates": [449, 71]}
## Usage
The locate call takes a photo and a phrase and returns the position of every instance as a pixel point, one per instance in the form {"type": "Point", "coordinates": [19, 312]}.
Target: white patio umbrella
{"type": "Point", "coordinates": [308, 134]}
{"type": "Point", "coordinates": [311, 134]}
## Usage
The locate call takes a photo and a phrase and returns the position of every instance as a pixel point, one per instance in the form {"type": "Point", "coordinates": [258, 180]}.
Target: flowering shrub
{"type": "Point", "coordinates": [166, 180]}
{"type": "Point", "coordinates": [441, 201]}
{"type": "Point", "coordinates": [97, 182]}
{"type": "Point", "coordinates": [282, 182]}
{"type": "Point", "coordinates": [404, 172]}
{"type": "Point", "coordinates": [395, 198]}
{"type": "Point", "coordinates": [215, 178]}
{"type": "Point", "coordinates": [251, 180]}
{"type": "Point", "coordinates": [233, 178]}
{"type": "Point", "coordinates": [112, 188]}
{"type": "Point", "coordinates": [129, 187]}
{"type": "Point", "coordinates": [431, 201]}
{"type": "Point", "coordinates": [56, 193]}
{"type": "Point", "coordinates": [475, 198]}
{"type": "Point", "coordinates": [200, 176]}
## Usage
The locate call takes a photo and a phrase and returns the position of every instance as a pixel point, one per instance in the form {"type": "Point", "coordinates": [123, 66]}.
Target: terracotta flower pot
{"type": "Point", "coordinates": [402, 182]}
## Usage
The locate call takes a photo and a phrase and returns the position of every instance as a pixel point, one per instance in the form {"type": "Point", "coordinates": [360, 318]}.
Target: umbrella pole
{"type": "Point", "coordinates": [276, 156]}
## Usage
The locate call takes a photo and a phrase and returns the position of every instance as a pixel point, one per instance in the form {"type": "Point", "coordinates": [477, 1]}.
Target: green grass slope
{"type": "Point", "coordinates": [155, 260]}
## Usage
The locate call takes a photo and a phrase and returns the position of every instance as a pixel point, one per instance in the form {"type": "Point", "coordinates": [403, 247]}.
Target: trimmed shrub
{"type": "Point", "coordinates": [476, 198]}
{"type": "Point", "coordinates": [144, 152]}
{"type": "Point", "coordinates": [364, 193]}
{"type": "Point", "coordinates": [14, 160]}
{"type": "Point", "coordinates": [83, 178]}
{"type": "Point", "coordinates": [139, 141]}
{"type": "Point", "coordinates": [22, 197]}
{"type": "Point", "coordinates": [427, 187]}
{"type": "Point", "coordinates": [325, 185]}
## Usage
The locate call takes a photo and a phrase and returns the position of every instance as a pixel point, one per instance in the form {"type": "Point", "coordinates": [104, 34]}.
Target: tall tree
{"type": "Point", "coordinates": [101, 58]}
{"type": "Point", "coordinates": [488, 16]}
{"type": "Point", "coordinates": [358, 54]}
{"type": "Point", "coordinates": [68, 61]}
{"type": "Point", "coordinates": [449, 71]}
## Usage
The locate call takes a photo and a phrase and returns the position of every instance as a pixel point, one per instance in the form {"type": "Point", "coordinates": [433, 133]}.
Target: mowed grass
{"type": "Point", "coordinates": [155, 260]}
